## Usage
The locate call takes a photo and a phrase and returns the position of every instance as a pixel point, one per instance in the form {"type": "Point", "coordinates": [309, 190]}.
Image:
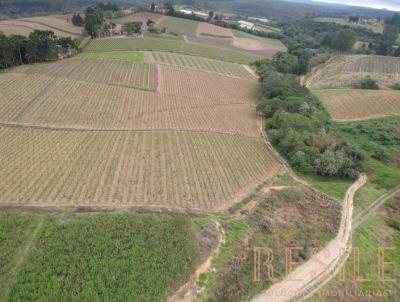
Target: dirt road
{"type": "Point", "coordinates": [322, 266]}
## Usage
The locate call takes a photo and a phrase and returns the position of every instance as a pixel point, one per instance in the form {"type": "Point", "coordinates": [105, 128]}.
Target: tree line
{"type": "Point", "coordinates": [299, 127]}
{"type": "Point", "coordinates": [39, 46]}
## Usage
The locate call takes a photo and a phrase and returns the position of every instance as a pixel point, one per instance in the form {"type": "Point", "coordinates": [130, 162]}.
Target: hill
{"type": "Point", "coordinates": [348, 71]}
{"type": "Point", "coordinates": [357, 104]}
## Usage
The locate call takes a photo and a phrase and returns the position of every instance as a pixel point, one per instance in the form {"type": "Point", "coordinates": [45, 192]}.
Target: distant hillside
{"type": "Point", "coordinates": [282, 10]}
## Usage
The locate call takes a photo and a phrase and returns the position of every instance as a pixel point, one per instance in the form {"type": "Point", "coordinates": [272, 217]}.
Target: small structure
{"type": "Point", "coordinates": [201, 15]}
{"type": "Point", "coordinates": [246, 25]}
{"type": "Point", "coordinates": [117, 30]}
{"type": "Point", "coordinates": [263, 20]}
{"type": "Point", "coordinates": [186, 12]}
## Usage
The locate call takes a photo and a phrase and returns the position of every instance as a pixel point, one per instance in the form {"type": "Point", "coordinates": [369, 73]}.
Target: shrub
{"type": "Point", "coordinates": [369, 83]}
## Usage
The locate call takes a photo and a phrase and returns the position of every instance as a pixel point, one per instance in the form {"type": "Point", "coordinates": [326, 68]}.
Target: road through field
{"type": "Point", "coordinates": [321, 265]}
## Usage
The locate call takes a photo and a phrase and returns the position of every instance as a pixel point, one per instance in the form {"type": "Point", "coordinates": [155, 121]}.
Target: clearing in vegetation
{"type": "Point", "coordinates": [203, 64]}
{"type": "Point", "coordinates": [152, 44]}
{"type": "Point", "coordinates": [276, 217]}
{"type": "Point", "coordinates": [131, 56]}
{"type": "Point", "coordinates": [179, 26]}
{"type": "Point", "coordinates": [196, 84]}
{"type": "Point", "coordinates": [115, 72]}
{"type": "Point", "coordinates": [355, 104]}
{"type": "Point", "coordinates": [140, 17]}
{"type": "Point", "coordinates": [347, 71]}
{"type": "Point", "coordinates": [82, 105]}
{"type": "Point", "coordinates": [193, 170]}
{"type": "Point", "coordinates": [152, 255]}
{"type": "Point", "coordinates": [208, 29]}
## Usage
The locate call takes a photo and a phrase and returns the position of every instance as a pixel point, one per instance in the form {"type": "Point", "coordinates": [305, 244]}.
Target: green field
{"type": "Point", "coordinates": [151, 44]}
{"type": "Point", "coordinates": [179, 26]}
{"type": "Point", "coordinates": [96, 257]}
{"type": "Point", "coordinates": [132, 56]}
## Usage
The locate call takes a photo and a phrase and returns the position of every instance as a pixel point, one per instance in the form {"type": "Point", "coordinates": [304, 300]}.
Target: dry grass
{"type": "Point", "coordinates": [163, 168]}
{"type": "Point", "coordinates": [354, 104]}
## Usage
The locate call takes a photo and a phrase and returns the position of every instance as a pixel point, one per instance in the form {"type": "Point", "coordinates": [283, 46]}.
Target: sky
{"type": "Point", "coordinates": [388, 4]}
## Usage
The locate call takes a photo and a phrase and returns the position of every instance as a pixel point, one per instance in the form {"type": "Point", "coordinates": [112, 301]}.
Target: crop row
{"type": "Point", "coordinates": [165, 168]}
{"type": "Point", "coordinates": [102, 71]}
{"type": "Point", "coordinates": [353, 104]}
{"type": "Point", "coordinates": [69, 103]}
{"type": "Point", "coordinates": [203, 64]}
{"type": "Point", "coordinates": [192, 83]}
{"type": "Point", "coordinates": [153, 44]}
{"type": "Point", "coordinates": [347, 71]}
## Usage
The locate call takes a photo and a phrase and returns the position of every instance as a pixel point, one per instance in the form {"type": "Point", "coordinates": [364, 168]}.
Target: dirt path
{"type": "Point", "coordinates": [322, 266]}
{"type": "Point", "coordinates": [190, 289]}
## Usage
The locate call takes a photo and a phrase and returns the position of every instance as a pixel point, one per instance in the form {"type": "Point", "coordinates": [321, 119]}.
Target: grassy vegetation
{"type": "Point", "coordinates": [280, 219]}
{"type": "Point", "coordinates": [138, 44]}
{"type": "Point", "coordinates": [179, 26]}
{"type": "Point", "coordinates": [276, 42]}
{"type": "Point", "coordinates": [131, 56]}
{"type": "Point", "coordinates": [15, 230]}
{"type": "Point", "coordinates": [335, 187]}
{"type": "Point", "coordinates": [100, 257]}
{"type": "Point", "coordinates": [381, 141]}
{"type": "Point", "coordinates": [381, 230]}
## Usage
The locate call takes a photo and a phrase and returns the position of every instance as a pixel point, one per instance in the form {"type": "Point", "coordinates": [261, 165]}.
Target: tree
{"type": "Point", "coordinates": [77, 20]}
{"type": "Point", "coordinates": [169, 6]}
{"type": "Point", "coordinates": [67, 43]}
{"type": "Point", "coordinates": [368, 83]}
{"type": "Point", "coordinates": [149, 23]}
{"type": "Point", "coordinates": [41, 46]}
{"type": "Point", "coordinates": [285, 62]}
{"type": "Point", "coordinates": [132, 27]}
{"type": "Point", "coordinates": [152, 7]}
{"type": "Point", "coordinates": [344, 40]}
{"type": "Point", "coordinates": [94, 18]}
{"type": "Point", "coordinates": [211, 15]}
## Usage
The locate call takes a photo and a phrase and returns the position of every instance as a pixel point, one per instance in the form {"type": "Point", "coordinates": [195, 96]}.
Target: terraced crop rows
{"type": "Point", "coordinates": [223, 68]}
{"type": "Point", "coordinates": [191, 83]}
{"type": "Point", "coordinates": [82, 105]}
{"type": "Point", "coordinates": [346, 71]}
{"type": "Point", "coordinates": [353, 104]}
{"type": "Point", "coordinates": [177, 169]}
{"type": "Point", "coordinates": [132, 74]}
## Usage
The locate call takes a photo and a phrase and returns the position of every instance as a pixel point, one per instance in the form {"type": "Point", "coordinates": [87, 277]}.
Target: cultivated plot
{"type": "Point", "coordinates": [202, 64]}
{"type": "Point", "coordinates": [61, 27]}
{"type": "Point", "coordinates": [64, 103]}
{"type": "Point", "coordinates": [163, 168]}
{"type": "Point", "coordinates": [192, 83]}
{"type": "Point", "coordinates": [347, 71]}
{"type": "Point", "coordinates": [117, 72]}
{"type": "Point", "coordinates": [355, 104]}
{"type": "Point", "coordinates": [205, 28]}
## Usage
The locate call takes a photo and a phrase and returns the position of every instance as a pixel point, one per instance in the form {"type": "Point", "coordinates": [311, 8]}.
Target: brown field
{"type": "Point", "coordinates": [191, 83]}
{"type": "Point", "coordinates": [248, 44]}
{"type": "Point", "coordinates": [139, 75]}
{"type": "Point", "coordinates": [203, 64]}
{"type": "Point", "coordinates": [62, 103]}
{"type": "Point", "coordinates": [347, 71]}
{"type": "Point", "coordinates": [140, 17]}
{"type": "Point", "coordinates": [211, 29]}
{"type": "Point", "coordinates": [353, 104]}
{"type": "Point", "coordinates": [61, 27]}
{"type": "Point", "coordinates": [163, 168]}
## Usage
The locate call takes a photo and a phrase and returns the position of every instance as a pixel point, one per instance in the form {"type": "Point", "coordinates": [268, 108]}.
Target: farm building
{"type": "Point", "coordinates": [245, 24]}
